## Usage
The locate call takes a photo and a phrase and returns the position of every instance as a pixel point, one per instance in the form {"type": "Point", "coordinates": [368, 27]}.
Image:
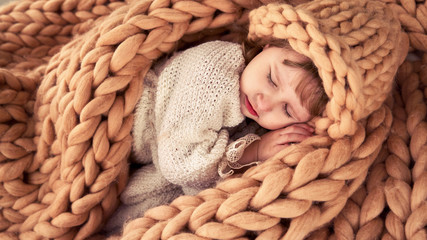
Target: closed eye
{"type": "Point", "coordinates": [285, 110]}
{"type": "Point", "coordinates": [271, 80]}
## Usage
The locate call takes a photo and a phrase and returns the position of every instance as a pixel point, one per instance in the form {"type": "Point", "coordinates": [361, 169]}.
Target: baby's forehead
{"type": "Point", "coordinates": [296, 72]}
{"type": "Point", "coordinates": [292, 55]}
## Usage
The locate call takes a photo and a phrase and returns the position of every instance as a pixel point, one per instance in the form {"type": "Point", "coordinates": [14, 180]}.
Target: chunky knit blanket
{"type": "Point", "coordinates": [71, 72]}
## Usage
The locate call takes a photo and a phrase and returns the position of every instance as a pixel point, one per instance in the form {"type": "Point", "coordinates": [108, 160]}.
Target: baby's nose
{"type": "Point", "coordinates": [265, 104]}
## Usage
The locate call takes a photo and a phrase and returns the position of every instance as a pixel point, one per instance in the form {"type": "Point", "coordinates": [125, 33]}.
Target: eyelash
{"type": "Point", "coordinates": [285, 109]}
{"type": "Point", "coordinates": [271, 80]}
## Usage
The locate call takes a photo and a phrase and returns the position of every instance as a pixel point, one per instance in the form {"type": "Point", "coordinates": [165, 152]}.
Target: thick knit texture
{"type": "Point", "coordinates": [72, 73]}
{"type": "Point", "coordinates": [181, 129]}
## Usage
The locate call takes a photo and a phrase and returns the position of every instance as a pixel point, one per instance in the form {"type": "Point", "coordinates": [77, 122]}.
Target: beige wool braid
{"type": "Point", "coordinates": [235, 215]}
{"type": "Point", "coordinates": [64, 147]}
{"type": "Point", "coordinates": [63, 164]}
{"type": "Point", "coordinates": [351, 98]}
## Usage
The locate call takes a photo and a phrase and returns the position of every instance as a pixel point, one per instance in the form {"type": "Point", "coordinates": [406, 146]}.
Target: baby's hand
{"type": "Point", "coordinates": [274, 141]}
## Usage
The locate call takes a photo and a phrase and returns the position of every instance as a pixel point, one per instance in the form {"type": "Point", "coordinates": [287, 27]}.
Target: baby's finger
{"type": "Point", "coordinates": [291, 138]}
{"type": "Point", "coordinates": [305, 126]}
{"type": "Point", "coordinates": [296, 129]}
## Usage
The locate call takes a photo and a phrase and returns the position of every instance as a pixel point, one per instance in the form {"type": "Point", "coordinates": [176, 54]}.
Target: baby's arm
{"type": "Point", "coordinates": [198, 97]}
{"type": "Point", "coordinates": [192, 165]}
{"type": "Point", "coordinates": [274, 141]}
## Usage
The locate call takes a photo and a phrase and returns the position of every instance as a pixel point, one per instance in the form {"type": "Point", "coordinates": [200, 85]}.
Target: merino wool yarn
{"type": "Point", "coordinates": [71, 72]}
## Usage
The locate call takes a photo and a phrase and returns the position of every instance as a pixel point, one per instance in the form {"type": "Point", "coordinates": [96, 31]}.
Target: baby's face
{"type": "Point", "coordinates": [267, 89]}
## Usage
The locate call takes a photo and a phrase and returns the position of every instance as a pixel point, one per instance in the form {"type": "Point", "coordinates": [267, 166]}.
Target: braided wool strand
{"type": "Point", "coordinates": [351, 98]}
{"type": "Point", "coordinates": [410, 211]}
{"type": "Point", "coordinates": [84, 105]}
{"type": "Point", "coordinates": [298, 184]}
{"type": "Point", "coordinates": [71, 75]}
{"type": "Point", "coordinates": [32, 31]}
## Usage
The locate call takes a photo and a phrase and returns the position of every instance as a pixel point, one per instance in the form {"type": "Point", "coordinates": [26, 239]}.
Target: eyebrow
{"type": "Point", "coordinates": [291, 64]}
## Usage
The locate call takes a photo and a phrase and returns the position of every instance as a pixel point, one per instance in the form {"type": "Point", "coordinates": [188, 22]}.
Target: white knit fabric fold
{"type": "Point", "coordinates": [182, 123]}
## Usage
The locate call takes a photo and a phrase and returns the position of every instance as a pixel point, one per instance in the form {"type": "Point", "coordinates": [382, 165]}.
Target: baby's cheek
{"type": "Point", "coordinates": [269, 124]}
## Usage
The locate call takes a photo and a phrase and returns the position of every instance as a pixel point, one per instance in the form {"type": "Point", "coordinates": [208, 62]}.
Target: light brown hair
{"type": "Point", "coordinates": [310, 88]}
